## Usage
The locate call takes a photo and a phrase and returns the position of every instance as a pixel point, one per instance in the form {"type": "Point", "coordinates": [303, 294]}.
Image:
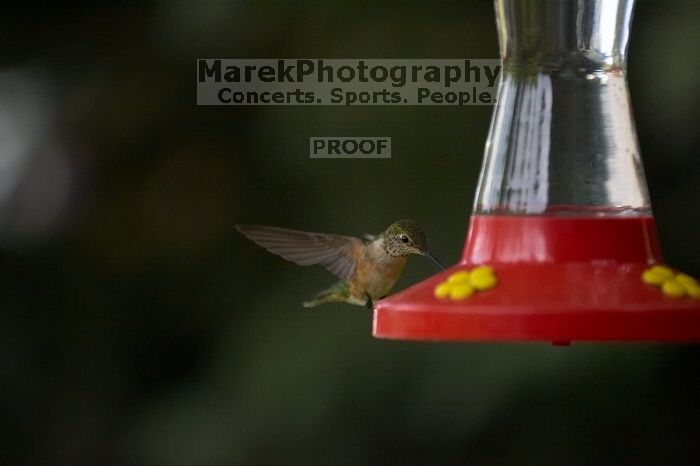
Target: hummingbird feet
{"type": "Point", "coordinates": [369, 305]}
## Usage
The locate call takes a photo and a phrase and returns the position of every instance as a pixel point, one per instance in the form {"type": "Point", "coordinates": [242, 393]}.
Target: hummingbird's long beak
{"type": "Point", "coordinates": [430, 256]}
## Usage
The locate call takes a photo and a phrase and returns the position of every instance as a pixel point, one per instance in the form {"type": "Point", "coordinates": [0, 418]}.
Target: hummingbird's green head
{"type": "Point", "coordinates": [404, 238]}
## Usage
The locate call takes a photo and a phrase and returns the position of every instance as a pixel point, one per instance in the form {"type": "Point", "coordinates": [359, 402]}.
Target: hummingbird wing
{"type": "Point", "coordinates": [338, 254]}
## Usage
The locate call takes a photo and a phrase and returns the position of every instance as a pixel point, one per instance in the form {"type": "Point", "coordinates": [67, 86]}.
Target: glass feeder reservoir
{"type": "Point", "coordinates": [562, 243]}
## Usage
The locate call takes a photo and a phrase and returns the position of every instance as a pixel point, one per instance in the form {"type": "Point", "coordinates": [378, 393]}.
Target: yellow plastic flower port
{"type": "Point", "coordinates": [657, 275]}
{"type": "Point", "coordinates": [443, 290]}
{"type": "Point", "coordinates": [458, 277]}
{"type": "Point", "coordinates": [464, 283]}
{"type": "Point", "coordinates": [483, 278]}
{"type": "Point", "coordinates": [672, 284]}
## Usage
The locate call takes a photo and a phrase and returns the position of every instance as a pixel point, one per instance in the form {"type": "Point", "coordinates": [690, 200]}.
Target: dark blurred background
{"type": "Point", "coordinates": [137, 327]}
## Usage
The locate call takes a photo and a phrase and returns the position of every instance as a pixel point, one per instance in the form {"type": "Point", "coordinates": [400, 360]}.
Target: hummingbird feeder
{"type": "Point", "coordinates": [562, 244]}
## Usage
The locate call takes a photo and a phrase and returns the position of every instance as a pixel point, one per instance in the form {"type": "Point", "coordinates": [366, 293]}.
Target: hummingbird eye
{"type": "Point", "coordinates": [404, 239]}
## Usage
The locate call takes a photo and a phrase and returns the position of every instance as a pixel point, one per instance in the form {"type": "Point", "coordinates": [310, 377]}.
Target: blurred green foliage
{"type": "Point", "coordinates": [143, 330]}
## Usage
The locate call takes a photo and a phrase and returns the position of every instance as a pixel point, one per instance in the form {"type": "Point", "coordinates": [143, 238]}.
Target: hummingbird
{"type": "Point", "coordinates": [368, 269]}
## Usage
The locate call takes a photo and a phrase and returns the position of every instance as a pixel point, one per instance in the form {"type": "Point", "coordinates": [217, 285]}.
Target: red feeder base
{"type": "Point", "coordinates": [559, 279]}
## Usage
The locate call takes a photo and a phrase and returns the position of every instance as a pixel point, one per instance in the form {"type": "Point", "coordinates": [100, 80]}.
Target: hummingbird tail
{"type": "Point", "coordinates": [338, 293]}
{"type": "Point", "coordinates": [313, 302]}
